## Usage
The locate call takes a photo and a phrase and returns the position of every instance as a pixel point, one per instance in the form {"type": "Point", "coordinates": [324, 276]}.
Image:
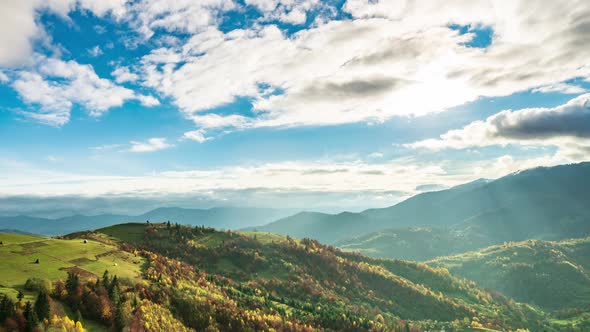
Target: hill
{"type": "Point", "coordinates": [542, 203]}
{"type": "Point", "coordinates": [198, 278]}
{"type": "Point", "coordinates": [220, 217]}
{"type": "Point", "coordinates": [553, 275]}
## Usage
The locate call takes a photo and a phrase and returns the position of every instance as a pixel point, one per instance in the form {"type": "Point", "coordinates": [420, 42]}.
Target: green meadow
{"type": "Point", "coordinates": [56, 257]}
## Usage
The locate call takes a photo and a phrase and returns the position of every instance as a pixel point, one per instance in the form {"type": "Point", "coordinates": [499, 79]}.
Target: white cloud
{"type": "Point", "coordinates": [177, 16]}
{"type": "Point", "coordinates": [560, 88]}
{"type": "Point", "coordinates": [55, 85]}
{"type": "Point", "coordinates": [148, 101]}
{"type": "Point", "coordinates": [106, 147]}
{"type": "Point", "coordinates": [346, 182]}
{"type": "Point", "coordinates": [123, 74]}
{"type": "Point", "coordinates": [19, 29]}
{"type": "Point", "coordinates": [152, 144]}
{"type": "Point", "coordinates": [376, 155]}
{"type": "Point", "coordinates": [95, 51]}
{"type": "Point", "coordinates": [394, 58]}
{"type": "Point", "coordinates": [3, 77]}
{"type": "Point", "coordinates": [287, 11]}
{"type": "Point", "coordinates": [566, 127]}
{"type": "Point", "coordinates": [196, 135]}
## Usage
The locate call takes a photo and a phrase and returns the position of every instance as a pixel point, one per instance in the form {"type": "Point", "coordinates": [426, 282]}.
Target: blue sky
{"type": "Point", "coordinates": [301, 103]}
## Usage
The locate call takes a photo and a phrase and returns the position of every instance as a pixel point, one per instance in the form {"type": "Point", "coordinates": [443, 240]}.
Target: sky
{"type": "Point", "coordinates": [326, 105]}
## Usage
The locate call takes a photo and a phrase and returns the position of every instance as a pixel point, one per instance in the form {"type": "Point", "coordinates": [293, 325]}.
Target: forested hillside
{"type": "Point", "coordinates": [202, 279]}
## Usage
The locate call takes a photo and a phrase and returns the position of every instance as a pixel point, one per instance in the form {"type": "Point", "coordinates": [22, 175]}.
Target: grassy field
{"type": "Point", "coordinates": [57, 257]}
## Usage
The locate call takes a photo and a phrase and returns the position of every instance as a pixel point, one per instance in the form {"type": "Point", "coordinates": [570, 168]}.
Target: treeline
{"type": "Point", "coordinates": [28, 316]}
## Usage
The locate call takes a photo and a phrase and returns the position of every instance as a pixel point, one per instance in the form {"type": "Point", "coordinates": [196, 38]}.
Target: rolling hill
{"type": "Point", "coordinates": [542, 203]}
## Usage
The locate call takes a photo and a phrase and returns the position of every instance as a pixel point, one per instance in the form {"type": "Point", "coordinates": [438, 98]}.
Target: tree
{"type": "Point", "coordinates": [114, 289]}
{"type": "Point", "coordinates": [72, 282]}
{"type": "Point", "coordinates": [20, 296]}
{"type": "Point", "coordinates": [6, 308]}
{"type": "Point", "coordinates": [30, 317]}
{"type": "Point", "coordinates": [106, 279]}
{"type": "Point", "coordinates": [42, 306]}
{"type": "Point", "coordinates": [119, 319]}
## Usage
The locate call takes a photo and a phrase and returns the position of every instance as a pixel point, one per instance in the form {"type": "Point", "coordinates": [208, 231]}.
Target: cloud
{"type": "Point", "coordinates": [286, 183]}
{"type": "Point", "coordinates": [566, 127]}
{"type": "Point", "coordinates": [177, 15]}
{"type": "Point", "coordinates": [106, 147]}
{"type": "Point", "coordinates": [392, 59]}
{"type": "Point", "coordinates": [95, 51]}
{"type": "Point", "coordinates": [3, 77]}
{"type": "Point", "coordinates": [196, 135]}
{"type": "Point", "coordinates": [560, 88]}
{"type": "Point", "coordinates": [287, 11]}
{"type": "Point", "coordinates": [148, 101]}
{"type": "Point", "coordinates": [376, 155]}
{"type": "Point", "coordinates": [152, 144]}
{"type": "Point", "coordinates": [57, 85]}
{"type": "Point", "coordinates": [19, 28]}
{"type": "Point", "coordinates": [123, 74]}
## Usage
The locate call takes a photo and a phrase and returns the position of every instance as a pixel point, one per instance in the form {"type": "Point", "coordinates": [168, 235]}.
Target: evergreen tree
{"type": "Point", "coordinates": [42, 306]}
{"type": "Point", "coordinates": [6, 308]}
{"type": "Point", "coordinates": [30, 317]}
{"type": "Point", "coordinates": [119, 321]}
{"type": "Point", "coordinates": [20, 296]}
{"type": "Point", "coordinates": [72, 282]}
{"type": "Point", "coordinates": [114, 292]}
{"type": "Point", "coordinates": [106, 279]}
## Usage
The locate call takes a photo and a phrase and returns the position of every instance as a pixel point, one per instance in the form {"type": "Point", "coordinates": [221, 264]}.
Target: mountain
{"type": "Point", "coordinates": [541, 203]}
{"type": "Point", "coordinates": [553, 275]}
{"type": "Point", "coordinates": [220, 217]}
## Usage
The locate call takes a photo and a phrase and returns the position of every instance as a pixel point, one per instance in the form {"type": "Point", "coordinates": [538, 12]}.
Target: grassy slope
{"type": "Point", "coordinates": [56, 256]}
{"type": "Point", "coordinates": [553, 275]}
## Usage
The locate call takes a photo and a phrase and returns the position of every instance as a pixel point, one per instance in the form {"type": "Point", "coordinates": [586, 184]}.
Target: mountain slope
{"type": "Point", "coordinates": [554, 275]}
{"type": "Point", "coordinates": [544, 203]}
{"type": "Point", "coordinates": [316, 282]}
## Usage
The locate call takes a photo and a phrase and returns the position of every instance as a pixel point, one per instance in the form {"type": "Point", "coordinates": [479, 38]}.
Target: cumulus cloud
{"type": "Point", "coordinates": [57, 85]}
{"type": "Point", "coordinates": [152, 144]}
{"type": "Point", "coordinates": [566, 127]}
{"type": "Point", "coordinates": [393, 58]}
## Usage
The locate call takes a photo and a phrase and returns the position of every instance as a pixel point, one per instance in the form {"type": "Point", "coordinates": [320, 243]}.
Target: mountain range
{"type": "Point", "coordinates": [219, 217]}
{"type": "Point", "coordinates": [549, 203]}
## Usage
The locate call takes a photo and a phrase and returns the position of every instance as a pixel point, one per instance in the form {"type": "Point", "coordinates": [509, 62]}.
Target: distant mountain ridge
{"type": "Point", "coordinates": [219, 217]}
{"type": "Point", "coordinates": [541, 203]}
